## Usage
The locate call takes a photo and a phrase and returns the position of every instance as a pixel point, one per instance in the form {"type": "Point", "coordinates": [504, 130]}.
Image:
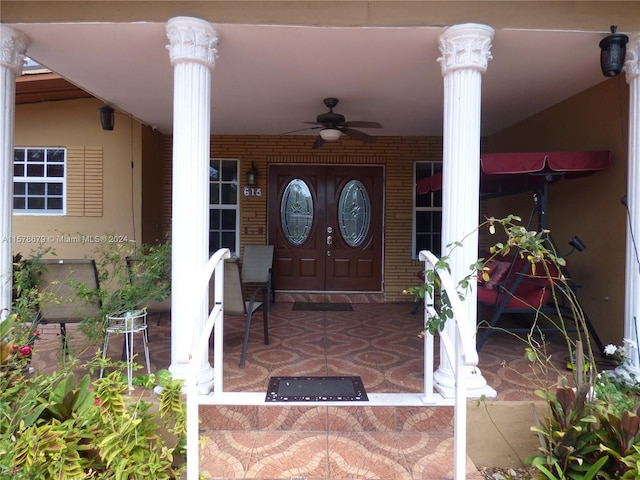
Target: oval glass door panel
{"type": "Point", "coordinates": [296, 211]}
{"type": "Point", "coordinates": [354, 213]}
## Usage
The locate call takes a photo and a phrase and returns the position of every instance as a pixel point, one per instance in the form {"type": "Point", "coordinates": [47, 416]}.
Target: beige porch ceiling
{"type": "Point", "coordinates": [269, 79]}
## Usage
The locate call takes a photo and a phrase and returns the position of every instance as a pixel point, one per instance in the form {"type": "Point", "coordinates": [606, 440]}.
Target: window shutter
{"type": "Point", "coordinates": [84, 181]}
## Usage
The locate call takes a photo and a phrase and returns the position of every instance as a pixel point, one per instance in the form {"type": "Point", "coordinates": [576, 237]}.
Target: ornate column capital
{"type": "Point", "coordinates": [192, 40]}
{"type": "Point", "coordinates": [12, 48]}
{"type": "Point", "coordinates": [632, 59]}
{"type": "Point", "coordinates": [466, 46]}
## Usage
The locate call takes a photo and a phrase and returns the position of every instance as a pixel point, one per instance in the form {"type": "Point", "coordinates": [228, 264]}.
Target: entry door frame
{"type": "Point", "coordinates": [372, 176]}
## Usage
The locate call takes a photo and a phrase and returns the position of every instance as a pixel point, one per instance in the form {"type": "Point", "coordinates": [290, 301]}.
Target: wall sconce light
{"type": "Point", "coordinates": [576, 244]}
{"type": "Point", "coordinates": [613, 49]}
{"type": "Point", "coordinates": [106, 117]}
{"type": "Point", "coordinates": [252, 176]}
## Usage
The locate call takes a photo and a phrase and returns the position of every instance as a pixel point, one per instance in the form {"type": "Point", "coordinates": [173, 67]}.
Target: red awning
{"type": "Point", "coordinates": [509, 173]}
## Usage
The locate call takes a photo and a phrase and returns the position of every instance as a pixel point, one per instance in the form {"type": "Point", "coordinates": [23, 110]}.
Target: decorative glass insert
{"type": "Point", "coordinates": [296, 211]}
{"type": "Point", "coordinates": [354, 213]}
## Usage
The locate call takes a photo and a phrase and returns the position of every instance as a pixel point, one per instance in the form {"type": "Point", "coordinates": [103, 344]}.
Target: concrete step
{"type": "Point", "coordinates": [326, 418]}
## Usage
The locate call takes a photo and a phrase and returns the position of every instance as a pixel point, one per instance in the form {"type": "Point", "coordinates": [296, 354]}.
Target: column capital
{"type": "Point", "coordinates": [466, 46]}
{"type": "Point", "coordinates": [192, 40]}
{"type": "Point", "coordinates": [632, 59]}
{"type": "Point", "coordinates": [13, 45]}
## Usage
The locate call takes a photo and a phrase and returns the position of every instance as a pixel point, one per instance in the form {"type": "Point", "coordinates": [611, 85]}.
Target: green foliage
{"type": "Point", "coordinates": [571, 447]}
{"type": "Point", "coordinates": [19, 334]}
{"type": "Point", "coordinates": [26, 272]}
{"type": "Point", "coordinates": [620, 393]}
{"type": "Point", "coordinates": [132, 287]}
{"type": "Point", "coordinates": [126, 286]}
{"type": "Point", "coordinates": [61, 426]}
{"type": "Point", "coordinates": [443, 312]}
{"type": "Point", "coordinates": [591, 431]}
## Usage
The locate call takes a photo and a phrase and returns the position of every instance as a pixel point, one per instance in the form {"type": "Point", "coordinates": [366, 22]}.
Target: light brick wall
{"type": "Point", "coordinates": [397, 154]}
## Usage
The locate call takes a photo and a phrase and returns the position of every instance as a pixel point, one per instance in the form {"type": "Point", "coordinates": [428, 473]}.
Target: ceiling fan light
{"type": "Point", "coordinates": [329, 134]}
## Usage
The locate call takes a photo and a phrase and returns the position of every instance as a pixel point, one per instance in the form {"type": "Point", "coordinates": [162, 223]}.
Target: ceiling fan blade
{"type": "Point", "coordinates": [302, 129]}
{"type": "Point", "coordinates": [362, 124]}
{"type": "Point", "coordinates": [318, 143]}
{"type": "Point", "coordinates": [358, 135]}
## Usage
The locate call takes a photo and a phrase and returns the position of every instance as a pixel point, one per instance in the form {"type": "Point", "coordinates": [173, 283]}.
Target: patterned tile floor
{"type": "Point", "coordinates": [379, 343]}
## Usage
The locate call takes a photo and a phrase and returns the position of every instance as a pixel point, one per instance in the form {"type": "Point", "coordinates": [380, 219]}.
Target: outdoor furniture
{"type": "Point", "coordinates": [514, 288]}
{"type": "Point", "coordinates": [127, 324]}
{"type": "Point", "coordinates": [59, 281]}
{"type": "Point", "coordinates": [234, 304]}
{"type": "Point", "coordinates": [257, 263]}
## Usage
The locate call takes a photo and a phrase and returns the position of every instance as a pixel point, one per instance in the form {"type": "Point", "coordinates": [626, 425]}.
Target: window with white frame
{"type": "Point", "coordinates": [39, 180]}
{"type": "Point", "coordinates": [427, 211]}
{"type": "Point", "coordinates": [224, 205]}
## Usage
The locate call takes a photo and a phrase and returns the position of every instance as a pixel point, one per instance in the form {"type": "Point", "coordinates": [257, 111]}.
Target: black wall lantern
{"type": "Point", "coordinates": [252, 176]}
{"type": "Point", "coordinates": [106, 117]}
{"type": "Point", "coordinates": [577, 244]}
{"type": "Point", "coordinates": [612, 52]}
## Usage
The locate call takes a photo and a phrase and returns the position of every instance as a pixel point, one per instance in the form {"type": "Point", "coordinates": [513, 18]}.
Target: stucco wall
{"type": "Point", "coordinates": [588, 207]}
{"type": "Point", "coordinates": [76, 123]}
{"type": "Point", "coordinates": [563, 15]}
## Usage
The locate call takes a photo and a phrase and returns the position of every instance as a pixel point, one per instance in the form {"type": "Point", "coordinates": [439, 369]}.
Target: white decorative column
{"type": "Point", "coordinates": [13, 47]}
{"type": "Point", "coordinates": [465, 53]}
{"type": "Point", "coordinates": [192, 49]}
{"type": "Point", "coordinates": [632, 274]}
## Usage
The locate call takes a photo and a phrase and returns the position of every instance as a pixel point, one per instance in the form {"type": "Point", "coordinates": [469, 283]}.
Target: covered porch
{"type": "Point", "coordinates": [379, 343]}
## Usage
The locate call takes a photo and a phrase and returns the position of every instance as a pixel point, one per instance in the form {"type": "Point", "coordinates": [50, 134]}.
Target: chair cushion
{"type": "Point", "coordinates": [497, 272]}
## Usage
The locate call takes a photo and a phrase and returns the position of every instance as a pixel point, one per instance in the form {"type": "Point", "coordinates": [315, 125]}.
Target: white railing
{"type": "Point", "coordinates": [198, 344]}
{"type": "Point", "coordinates": [461, 352]}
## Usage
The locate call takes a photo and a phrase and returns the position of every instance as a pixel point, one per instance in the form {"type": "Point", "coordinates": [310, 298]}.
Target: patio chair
{"type": "Point", "coordinates": [235, 305]}
{"type": "Point", "coordinates": [257, 262]}
{"type": "Point", "coordinates": [155, 307]}
{"type": "Point", "coordinates": [515, 289]}
{"type": "Point", "coordinates": [61, 304]}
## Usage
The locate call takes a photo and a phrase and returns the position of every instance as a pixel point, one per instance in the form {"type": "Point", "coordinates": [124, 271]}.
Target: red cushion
{"type": "Point", "coordinates": [531, 292]}
{"type": "Point", "coordinates": [497, 271]}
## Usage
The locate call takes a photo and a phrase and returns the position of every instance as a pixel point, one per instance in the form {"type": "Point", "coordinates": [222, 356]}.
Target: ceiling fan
{"type": "Point", "coordinates": [332, 125]}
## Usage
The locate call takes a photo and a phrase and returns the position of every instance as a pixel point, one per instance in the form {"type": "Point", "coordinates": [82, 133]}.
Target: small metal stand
{"type": "Point", "coordinates": [127, 324]}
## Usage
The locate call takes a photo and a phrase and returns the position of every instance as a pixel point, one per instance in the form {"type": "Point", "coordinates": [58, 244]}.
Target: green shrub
{"type": "Point", "coordinates": [67, 427]}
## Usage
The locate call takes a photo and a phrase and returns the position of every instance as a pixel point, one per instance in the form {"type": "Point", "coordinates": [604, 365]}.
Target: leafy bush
{"type": "Point", "coordinates": [62, 426]}
{"type": "Point", "coordinates": [591, 430]}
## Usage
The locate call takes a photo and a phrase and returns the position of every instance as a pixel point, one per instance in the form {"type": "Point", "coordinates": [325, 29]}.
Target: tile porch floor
{"type": "Point", "coordinates": [379, 343]}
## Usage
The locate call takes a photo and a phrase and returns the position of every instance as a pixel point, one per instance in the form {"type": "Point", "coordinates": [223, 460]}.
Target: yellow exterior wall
{"type": "Point", "coordinates": [76, 123]}
{"type": "Point", "coordinates": [588, 207]}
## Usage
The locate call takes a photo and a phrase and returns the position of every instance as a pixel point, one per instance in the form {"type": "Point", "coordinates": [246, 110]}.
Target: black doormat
{"type": "Point", "coordinates": [322, 307]}
{"type": "Point", "coordinates": [316, 389]}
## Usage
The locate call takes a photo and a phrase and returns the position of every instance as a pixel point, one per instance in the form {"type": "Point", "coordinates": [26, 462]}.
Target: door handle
{"type": "Point", "coordinates": [329, 243]}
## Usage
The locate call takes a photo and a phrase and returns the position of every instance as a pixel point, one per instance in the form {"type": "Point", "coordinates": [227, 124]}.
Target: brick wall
{"type": "Point", "coordinates": [397, 154]}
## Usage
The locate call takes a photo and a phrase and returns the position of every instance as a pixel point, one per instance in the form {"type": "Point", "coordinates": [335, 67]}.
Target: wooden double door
{"type": "Point", "coordinates": [325, 222]}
